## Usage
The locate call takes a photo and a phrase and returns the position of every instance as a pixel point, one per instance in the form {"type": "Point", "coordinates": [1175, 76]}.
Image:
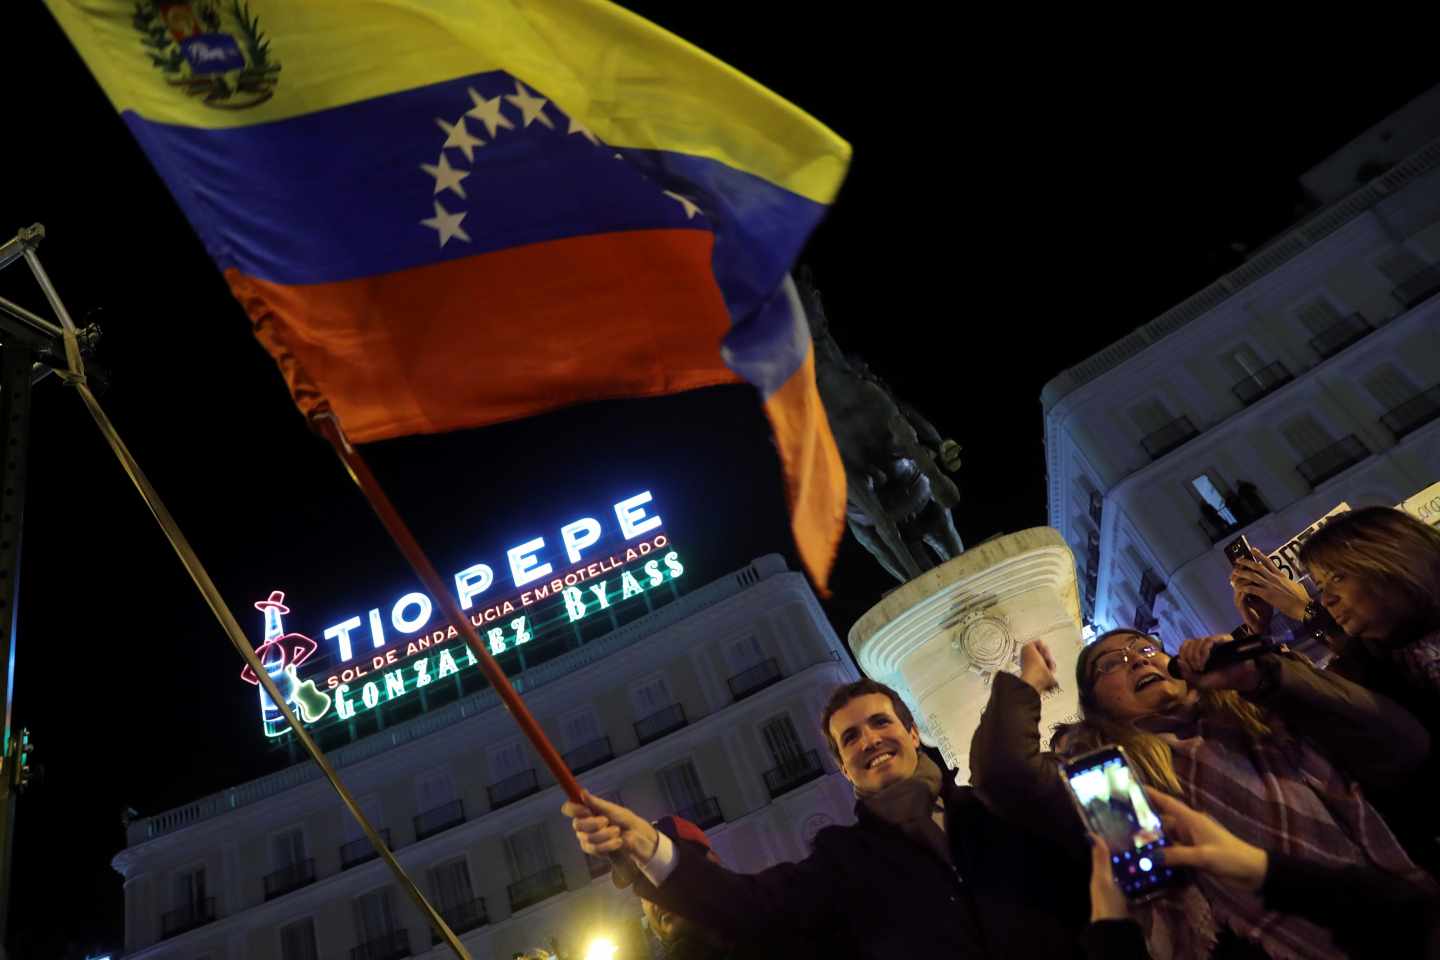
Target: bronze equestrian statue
{"type": "Point", "coordinates": [899, 497]}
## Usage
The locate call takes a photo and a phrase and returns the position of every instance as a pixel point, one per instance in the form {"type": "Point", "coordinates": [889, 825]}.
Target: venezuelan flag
{"type": "Point", "coordinates": [441, 214]}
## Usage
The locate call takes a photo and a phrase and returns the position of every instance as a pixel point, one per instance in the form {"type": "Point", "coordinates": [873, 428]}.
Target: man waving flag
{"type": "Point", "coordinates": [447, 214]}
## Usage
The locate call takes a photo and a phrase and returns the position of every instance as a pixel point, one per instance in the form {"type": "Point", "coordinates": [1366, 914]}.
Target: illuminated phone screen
{"type": "Point", "coordinates": [1116, 808]}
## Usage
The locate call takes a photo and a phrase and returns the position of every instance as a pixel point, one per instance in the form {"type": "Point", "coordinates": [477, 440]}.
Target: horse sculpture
{"type": "Point", "coordinates": [898, 497]}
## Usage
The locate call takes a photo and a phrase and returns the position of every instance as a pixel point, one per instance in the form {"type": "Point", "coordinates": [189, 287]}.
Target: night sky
{"type": "Point", "coordinates": [1000, 223]}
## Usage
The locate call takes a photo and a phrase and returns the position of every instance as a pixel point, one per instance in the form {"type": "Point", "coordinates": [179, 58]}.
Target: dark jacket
{"type": "Point", "coordinates": [1371, 913]}
{"type": "Point", "coordinates": [873, 893]}
{"type": "Point", "coordinates": [1409, 808]}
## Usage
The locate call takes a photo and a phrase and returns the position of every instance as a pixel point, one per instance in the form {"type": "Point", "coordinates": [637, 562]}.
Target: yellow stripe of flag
{"type": "Point", "coordinates": [631, 83]}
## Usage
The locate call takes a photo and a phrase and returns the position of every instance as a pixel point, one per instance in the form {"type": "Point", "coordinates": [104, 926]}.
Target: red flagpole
{"type": "Point", "coordinates": [330, 427]}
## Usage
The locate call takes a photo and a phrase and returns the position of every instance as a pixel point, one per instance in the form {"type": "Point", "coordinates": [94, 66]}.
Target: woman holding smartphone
{"type": "Point", "coordinates": [1275, 750]}
{"type": "Point", "coordinates": [1366, 910]}
{"type": "Point", "coordinates": [1377, 576]}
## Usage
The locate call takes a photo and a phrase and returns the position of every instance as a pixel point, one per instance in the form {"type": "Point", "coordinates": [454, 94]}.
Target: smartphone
{"type": "Point", "coordinates": [1239, 549]}
{"type": "Point", "coordinates": [1113, 806]}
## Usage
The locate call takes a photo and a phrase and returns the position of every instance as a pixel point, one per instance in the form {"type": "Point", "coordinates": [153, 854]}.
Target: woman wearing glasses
{"type": "Point", "coordinates": [1276, 751]}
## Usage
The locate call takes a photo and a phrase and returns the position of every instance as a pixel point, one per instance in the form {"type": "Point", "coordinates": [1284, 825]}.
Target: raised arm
{"type": "Point", "coordinates": [786, 901]}
{"type": "Point", "coordinates": [1009, 772]}
{"type": "Point", "coordinates": [783, 901]}
{"type": "Point", "coordinates": [1363, 906]}
{"type": "Point", "coordinates": [1368, 735]}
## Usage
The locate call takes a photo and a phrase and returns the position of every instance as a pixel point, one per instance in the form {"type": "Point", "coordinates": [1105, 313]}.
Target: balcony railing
{"type": "Point", "coordinates": [587, 756]}
{"type": "Point", "coordinates": [1418, 288]}
{"type": "Point", "coordinates": [1339, 335]}
{"type": "Point", "coordinates": [359, 851]}
{"type": "Point", "coordinates": [188, 917]}
{"type": "Point", "coordinates": [536, 887]}
{"type": "Point", "coordinates": [704, 814]}
{"type": "Point", "coordinates": [1246, 507]}
{"type": "Point", "coordinates": [1167, 438]}
{"type": "Point", "coordinates": [1264, 381]}
{"type": "Point", "coordinates": [755, 679]}
{"type": "Point", "coordinates": [1413, 413]}
{"type": "Point", "coordinates": [794, 772]}
{"type": "Point", "coordinates": [1343, 453]}
{"type": "Point", "coordinates": [663, 721]}
{"type": "Point", "coordinates": [439, 818]}
{"type": "Point", "coordinates": [513, 788]}
{"type": "Point", "coordinates": [287, 878]}
{"type": "Point", "coordinates": [462, 917]}
{"type": "Point", "coordinates": [391, 946]}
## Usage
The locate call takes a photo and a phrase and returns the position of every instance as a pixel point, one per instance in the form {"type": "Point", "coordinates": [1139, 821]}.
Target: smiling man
{"type": "Point", "coordinates": [925, 870]}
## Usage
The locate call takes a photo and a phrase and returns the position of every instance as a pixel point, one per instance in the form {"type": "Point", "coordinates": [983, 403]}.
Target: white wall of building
{"type": "Point", "coordinates": [690, 644]}
{"type": "Point", "coordinates": [1125, 512]}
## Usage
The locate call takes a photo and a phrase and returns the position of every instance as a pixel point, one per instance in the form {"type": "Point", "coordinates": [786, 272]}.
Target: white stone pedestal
{"type": "Point", "coordinates": [940, 638]}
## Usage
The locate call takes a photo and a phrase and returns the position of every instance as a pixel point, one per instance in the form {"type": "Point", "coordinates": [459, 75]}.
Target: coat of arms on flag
{"type": "Point", "coordinates": [193, 45]}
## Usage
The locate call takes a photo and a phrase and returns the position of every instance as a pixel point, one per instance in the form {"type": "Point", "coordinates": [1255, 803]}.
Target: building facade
{"type": "Point", "coordinates": [705, 707]}
{"type": "Point", "coordinates": [1306, 378]}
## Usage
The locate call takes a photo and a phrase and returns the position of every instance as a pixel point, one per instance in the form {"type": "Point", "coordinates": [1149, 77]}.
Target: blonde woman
{"type": "Point", "coordinates": [1377, 577]}
{"type": "Point", "coordinates": [1276, 751]}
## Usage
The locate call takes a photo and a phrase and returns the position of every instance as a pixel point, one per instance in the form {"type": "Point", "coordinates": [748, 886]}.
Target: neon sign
{"type": "Point", "coordinates": [394, 674]}
{"type": "Point", "coordinates": [280, 654]}
{"type": "Point", "coordinates": [408, 652]}
{"type": "Point", "coordinates": [412, 613]}
{"type": "Point", "coordinates": [353, 698]}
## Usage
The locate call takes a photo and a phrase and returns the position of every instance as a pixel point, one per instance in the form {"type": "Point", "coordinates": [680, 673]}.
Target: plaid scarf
{"type": "Point", "coordinates": [1281, 795]}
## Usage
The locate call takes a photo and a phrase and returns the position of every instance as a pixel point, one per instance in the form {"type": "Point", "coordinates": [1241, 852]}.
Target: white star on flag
{"type": "Point", "coordinates": [577, 127]}
{"type": "Point", "coordinates": [447, 224]}
{"type": "Point", "coordinates": [488, 113]}
{"type": "Point", "coordinates": [531, 106]}
{"type": "Point", "coordinates": [458, 136]}
{"type": "Point", "coordinates": [446, 176]}
{"type": "Point", "coordinates": [690, 207]}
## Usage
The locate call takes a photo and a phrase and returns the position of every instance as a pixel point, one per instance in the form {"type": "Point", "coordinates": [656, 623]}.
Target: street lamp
{"type": "Point", "coordinates": [601, 948]}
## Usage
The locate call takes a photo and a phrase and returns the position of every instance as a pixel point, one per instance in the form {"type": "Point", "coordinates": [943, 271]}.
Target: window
{"type": "Point", "coordinates": [1241, 362]}
{"type": "Point", "coordinates": [1318, 316]}
{"type": "Point", "coordinates": [1150, 416]}
{"type": "Point", "coordinates": [1134, 562]}
{"type": "Point", "coordinates": [435, 790]}
{"type": "Point", "coordinates": [743, 654]}
{"type": "Point", "coordinates": [297, 940]}
{"type": "Point", "coordinates": [1389, 386]}
{"type": "Point", "coordinates": [782, 740]}
{"type": "Point", "coordinates": [650, 696]}
{"type": "Point", "coordinates": [505, 761]}
{"type": "Point", "coordinates": [1306, 435]}
{"type": "Point", "coordinates": [528, 851]}
{"type": "Point", "coordinates": [350, 827]}
{"type": "Point", "coordinates": [374, 915]}
{"type": "Point", "coordinates": [190, 890]}
{"type": "Point", "coordinates": [681, 785]}
{"type": "Point", "coordinates": [1399, 265]}
{"type": "Point", "coordinates": [1209, 492]}
{"type": "Point", "coordinates": [288, 849]}
{"type": "Point", "coordinates": [579, 728]}
{"type": "Point", "coordinates": [451, 885]}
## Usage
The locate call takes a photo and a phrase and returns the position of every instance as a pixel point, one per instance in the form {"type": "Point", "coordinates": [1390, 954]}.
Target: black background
{"type": "Point", "coordinates": [1022, 194]}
